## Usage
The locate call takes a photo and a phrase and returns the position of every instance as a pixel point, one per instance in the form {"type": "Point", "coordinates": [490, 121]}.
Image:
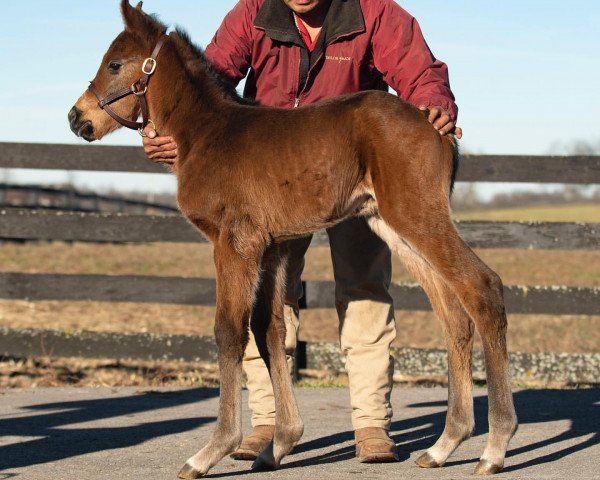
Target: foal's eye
{"type": "Point", "coordinates": [114, 67]}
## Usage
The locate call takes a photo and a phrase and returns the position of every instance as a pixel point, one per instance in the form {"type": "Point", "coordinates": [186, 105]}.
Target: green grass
{"type": "Point", "coordinates": [575, 212]}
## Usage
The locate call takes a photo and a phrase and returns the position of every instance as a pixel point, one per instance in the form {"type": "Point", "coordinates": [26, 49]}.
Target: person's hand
{"type": "Point", "coordinates": [442, 121]}
{"type": "Point", "coordinates": [159, 149]}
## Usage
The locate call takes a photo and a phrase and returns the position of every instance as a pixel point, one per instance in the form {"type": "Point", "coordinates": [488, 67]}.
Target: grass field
{"type": "Point", "coordinates": [419, 329]}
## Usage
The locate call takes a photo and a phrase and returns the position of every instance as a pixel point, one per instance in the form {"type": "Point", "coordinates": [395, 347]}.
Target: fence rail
{"type": "Point", "coordinates": [318, 294]}
{"type": "Point", "coordinates": [573, 368]}
{"type": "Point", "coordinates": [474, 168]}
{"type": "Point", "coordinates": [31, 197]}
{"type": "Point", "coordinates": [22, 224]}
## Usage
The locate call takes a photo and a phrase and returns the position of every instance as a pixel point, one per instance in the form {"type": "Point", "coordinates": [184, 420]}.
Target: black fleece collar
{"type": "Point", "coordinates": [277, 20]}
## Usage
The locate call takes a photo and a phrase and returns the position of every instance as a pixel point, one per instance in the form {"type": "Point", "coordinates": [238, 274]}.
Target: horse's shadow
{"type": "Point", "coordinates": [580, 407]}
{"type": "Point", "coordinates": [55, 442]}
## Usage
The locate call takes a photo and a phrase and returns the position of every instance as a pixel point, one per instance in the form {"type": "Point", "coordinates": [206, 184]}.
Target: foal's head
{"type": "Point", "coordinates": [120, 68]}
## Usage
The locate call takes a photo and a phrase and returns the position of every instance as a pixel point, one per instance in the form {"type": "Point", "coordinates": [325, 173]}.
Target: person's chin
{"type": "Point", "coordinates": [302, 6]}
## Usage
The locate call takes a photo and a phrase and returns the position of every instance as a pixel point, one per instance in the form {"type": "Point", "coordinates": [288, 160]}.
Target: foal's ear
{"type": "Point", "coordinates": [130, 15]}
{"type": "Point", "coordinates": [137, 21]}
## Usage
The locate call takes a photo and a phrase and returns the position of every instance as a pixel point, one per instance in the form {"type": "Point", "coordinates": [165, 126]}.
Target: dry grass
{"type": "Point", "coordinates": [527, 333]}
{"type": "Point", "coordinates": [77, 372]}
{"type": "Point", "coordinates": [572, 212]}
{"type": "Point", "coordinates": [540, 267]}
{"type": "Point", "coordinates": [54, 372]}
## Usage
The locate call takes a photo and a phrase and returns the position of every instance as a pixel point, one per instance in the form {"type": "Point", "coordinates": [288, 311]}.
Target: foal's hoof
{"type": "Point", "coordinates": [427, 461]}
{"type": "Point", "coordinates": [264, 463]}
{"type": "Point", "coordinates": [189, 473]}
{"type": "Point", "coordinates": [485, 467]}
{"type": "Point", "coordinates": [266, 460]}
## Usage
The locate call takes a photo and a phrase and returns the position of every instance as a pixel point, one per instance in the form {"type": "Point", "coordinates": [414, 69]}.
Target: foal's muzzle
{"type": "Point", "coordinates": [79, 127]}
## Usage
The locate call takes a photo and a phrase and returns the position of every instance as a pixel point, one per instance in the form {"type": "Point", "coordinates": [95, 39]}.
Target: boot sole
{"type": "Point", "coordinates": [244, 455]}
{"type": "Point", "coordinates": [379, 458]}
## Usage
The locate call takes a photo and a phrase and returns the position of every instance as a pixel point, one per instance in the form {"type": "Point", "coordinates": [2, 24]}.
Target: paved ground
{"type": "Point", "coordinates": [64, 433]}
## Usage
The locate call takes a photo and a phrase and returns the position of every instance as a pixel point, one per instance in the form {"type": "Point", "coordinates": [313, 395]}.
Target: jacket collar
{"type": "Point", "coordinates": [344, 17]}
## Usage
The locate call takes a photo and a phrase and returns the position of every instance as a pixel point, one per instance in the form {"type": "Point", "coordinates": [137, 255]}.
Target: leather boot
{"type": "Point", "coordinates": [374, 445]}
{"type": "Point", "coordinates": [254, 443]}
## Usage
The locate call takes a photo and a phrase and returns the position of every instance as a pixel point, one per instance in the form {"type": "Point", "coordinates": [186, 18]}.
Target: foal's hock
{"type": "Point", "coordinates": [251, 177]}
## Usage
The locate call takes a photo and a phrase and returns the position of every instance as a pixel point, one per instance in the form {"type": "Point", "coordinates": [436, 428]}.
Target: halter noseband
{"type": "Point", "coordinates": [138, 89]}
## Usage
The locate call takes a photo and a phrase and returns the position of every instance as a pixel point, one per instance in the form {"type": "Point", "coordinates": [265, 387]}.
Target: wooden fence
{"type": "Point", "coordinates": [35, 197]}
{"type": "Point", "coordinates": [25, 224]}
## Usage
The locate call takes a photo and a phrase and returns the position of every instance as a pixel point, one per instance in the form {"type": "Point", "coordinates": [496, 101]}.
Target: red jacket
{"type": "Point", "coordinates": [364, 45]}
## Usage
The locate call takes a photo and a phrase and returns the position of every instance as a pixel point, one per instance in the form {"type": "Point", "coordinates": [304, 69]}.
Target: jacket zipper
{"type": "Point", "coordinates": [299, 94]}
{"type": "Point", "coordinates": [297, 104]}
{"type": "Point", "coordinates": [297, 100]}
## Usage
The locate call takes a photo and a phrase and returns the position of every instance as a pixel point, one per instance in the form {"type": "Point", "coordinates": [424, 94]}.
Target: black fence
{"type": "Point", "coordinates": [35, 197]}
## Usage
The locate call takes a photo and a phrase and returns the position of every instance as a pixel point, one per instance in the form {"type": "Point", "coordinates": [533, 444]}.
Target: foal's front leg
{"type": "Point", "coordinates": [268, 327]}
{"type": "Point", "coordinates": [237, 277]}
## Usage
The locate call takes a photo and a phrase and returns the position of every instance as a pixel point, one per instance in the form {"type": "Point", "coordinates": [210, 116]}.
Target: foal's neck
{"type": "Point", "coordinates": [183, 104]}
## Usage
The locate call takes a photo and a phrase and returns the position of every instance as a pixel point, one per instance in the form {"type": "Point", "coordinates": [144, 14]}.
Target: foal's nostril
{"type": "Point", "coordinates": [74, 115]}
{"type": "Point", "coordinates": [86, 131]}
{"type": "Point", "coordinates": [77, 123]}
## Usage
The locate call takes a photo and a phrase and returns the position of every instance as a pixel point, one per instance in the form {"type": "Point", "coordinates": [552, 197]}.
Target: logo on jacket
{"type": "Point", "coordinates": [335, 58]}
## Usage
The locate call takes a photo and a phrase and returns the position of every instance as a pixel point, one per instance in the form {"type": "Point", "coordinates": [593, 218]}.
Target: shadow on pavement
{"type": "Point", "coordinates": [580, 407]}
{"type": "Point", "coordinates": [59, 441]}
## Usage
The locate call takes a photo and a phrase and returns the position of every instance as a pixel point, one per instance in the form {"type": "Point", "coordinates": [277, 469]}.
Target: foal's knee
{"type": "Point", "coordinates": [495, 290]}
{"type": "Point", "coordinates": [484, 296]}
{"type": "Point", "coordinates": [231, 339]}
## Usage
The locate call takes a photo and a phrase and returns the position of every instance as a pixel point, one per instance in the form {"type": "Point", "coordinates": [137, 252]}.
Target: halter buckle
{"type": "Point", "coordinates": [142, 93]}
{"type": "Point", "coordinates": [145, 66]}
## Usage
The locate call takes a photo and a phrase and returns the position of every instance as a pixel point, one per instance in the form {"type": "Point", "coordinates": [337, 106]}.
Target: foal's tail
{"type": "Point", "coordinates": [452, 148]}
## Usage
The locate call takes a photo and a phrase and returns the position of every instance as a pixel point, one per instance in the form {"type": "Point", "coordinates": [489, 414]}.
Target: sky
{"type": "Point", "coordinates": [525, 73]}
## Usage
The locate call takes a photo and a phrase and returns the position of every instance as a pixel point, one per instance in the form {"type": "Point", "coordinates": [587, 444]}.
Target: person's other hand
{"type": "Point", "coordinates": [442, 121]}
{"type": "Point", "coordinates": [159, 149]}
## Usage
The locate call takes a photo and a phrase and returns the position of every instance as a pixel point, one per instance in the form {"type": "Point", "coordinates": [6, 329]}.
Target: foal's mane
{"type": "Point", "coordinates": [199, 67]}
{"type": "Point", "coordinates": [200, 70]}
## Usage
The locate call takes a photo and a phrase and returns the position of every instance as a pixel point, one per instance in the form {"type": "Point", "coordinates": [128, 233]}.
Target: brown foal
{"type": "Point", "coordinates": [252, 177]}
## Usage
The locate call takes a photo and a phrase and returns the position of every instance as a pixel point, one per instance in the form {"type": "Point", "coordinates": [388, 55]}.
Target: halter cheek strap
{"type": "Point", "coordinates": [138, 89]}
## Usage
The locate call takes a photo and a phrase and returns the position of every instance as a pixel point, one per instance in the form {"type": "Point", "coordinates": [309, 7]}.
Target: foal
{"type": "Point", "coordinates": [250, 178]}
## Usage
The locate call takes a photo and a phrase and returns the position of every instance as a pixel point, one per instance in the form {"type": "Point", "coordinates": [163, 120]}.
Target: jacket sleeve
{"type": "Point", "coordinates": [231, 47]}
{"type": "Point", "coordinates": [401, 54]}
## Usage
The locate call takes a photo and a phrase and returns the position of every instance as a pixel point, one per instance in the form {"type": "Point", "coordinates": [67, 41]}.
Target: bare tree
{"type": "Point", "coordinates": [466, 198]}
{"type": "Point", "coordinates": [576, 147]}
{"type": "Point", "coordinates": [5, 176]}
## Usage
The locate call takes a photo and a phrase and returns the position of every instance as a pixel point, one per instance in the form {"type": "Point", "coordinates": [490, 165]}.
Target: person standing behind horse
{"type": "Point", "coordinates": [297, 52]}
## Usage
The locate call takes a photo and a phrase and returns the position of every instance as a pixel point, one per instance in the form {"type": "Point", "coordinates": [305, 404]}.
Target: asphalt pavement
{"type": "Point", "coordinates": [129, 433]}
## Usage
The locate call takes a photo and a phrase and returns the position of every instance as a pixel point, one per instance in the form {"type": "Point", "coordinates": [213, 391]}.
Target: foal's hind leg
{"type": "Point", "coordinates": [458, 328]}
{"type": "Point", "coordinates": [237, 277]}
{"type": "Point", "coordinates": [268, 327]}
{"type": "Point", "coordinates": [460, 420]}
{"type": "Point", "coordinates": [480, 292]}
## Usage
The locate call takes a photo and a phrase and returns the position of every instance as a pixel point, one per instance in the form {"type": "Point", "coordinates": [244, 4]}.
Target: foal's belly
{"type": "Point", "coordinates": [361, 203]}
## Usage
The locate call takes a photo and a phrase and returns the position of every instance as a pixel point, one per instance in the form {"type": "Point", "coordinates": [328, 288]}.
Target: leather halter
{"type": "Point", "coordinates": [138, 89]}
